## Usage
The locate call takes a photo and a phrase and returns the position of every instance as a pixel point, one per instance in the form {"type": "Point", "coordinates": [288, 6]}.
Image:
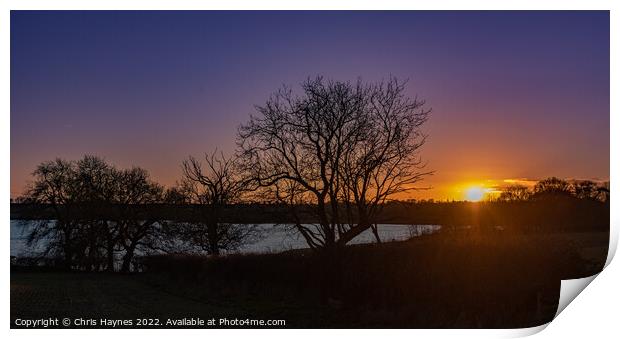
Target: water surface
{"type": "Point", "coordinates": [276, 238]}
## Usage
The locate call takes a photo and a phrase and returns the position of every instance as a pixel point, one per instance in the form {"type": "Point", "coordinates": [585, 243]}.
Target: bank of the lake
{"type": "Point", "coordinates": [456, 279]}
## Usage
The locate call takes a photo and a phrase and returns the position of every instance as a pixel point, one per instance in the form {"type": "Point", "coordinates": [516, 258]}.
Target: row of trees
{"type": "Point", "coordinates": [342, 148]}
{"type": "Point", "coordinates": [87, 232]}
{"type": "Point", "coordinates": [98, 227]}
{"type": "Point", "coordinates": [99, 223]}
{"type": "Point", "coordinates": [555, 187]}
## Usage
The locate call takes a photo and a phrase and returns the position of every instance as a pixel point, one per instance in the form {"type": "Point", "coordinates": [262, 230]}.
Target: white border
{"type": "Point", "coordinates": [579, 319]}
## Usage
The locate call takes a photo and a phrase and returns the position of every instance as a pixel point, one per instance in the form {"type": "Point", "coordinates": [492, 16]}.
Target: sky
{"type": "Point", "coordinates": [515, 96]}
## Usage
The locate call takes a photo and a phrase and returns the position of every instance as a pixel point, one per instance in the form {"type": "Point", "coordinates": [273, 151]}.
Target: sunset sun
{"type": "Point", "coordinates": [474, 193]}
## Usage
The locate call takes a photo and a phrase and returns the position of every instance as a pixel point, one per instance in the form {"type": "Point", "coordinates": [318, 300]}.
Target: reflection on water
{"type": "Point", "coordinates": [276, 238]}
{"type": "Point", "coordinates": [280, 237]}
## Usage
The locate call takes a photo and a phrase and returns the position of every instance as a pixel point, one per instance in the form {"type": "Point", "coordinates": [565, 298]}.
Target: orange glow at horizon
{"type": "Point", "coordinates": [476, 191]}
{"type": "Point", "coordinates": [470, 190]}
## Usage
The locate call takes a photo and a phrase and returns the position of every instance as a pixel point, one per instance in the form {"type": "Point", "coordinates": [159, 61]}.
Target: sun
{"type": "Point", "coordinates": [474, 193]}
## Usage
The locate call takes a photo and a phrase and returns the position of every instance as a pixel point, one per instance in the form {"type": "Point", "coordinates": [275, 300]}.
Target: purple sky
{"type": "Point", "coordinates": [514, 94]}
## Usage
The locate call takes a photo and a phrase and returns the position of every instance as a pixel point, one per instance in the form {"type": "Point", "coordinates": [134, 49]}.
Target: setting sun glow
{"type": "Point", "coordinates": [475, 193]}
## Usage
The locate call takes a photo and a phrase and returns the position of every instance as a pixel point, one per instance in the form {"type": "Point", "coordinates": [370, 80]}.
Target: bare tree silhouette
{"type": "Point", "coordinates": [94, 207]}
{"type": "Point", "coordinates": [136, 228]}
{"type": "Point", "coordinates": [515, 193]}
{"type": "Point", "coordinates": [211, 188]}
{"type": "Point", "coordinates": [75, 190]}
{"type": "Point", "coordinates": [587, 189]}
{"type": "Point", "coordinates": [342, 147]}
{"type": "Point", "coordinates": [552, 187]}
{"type": "Point", "coordinates": [53, 185]}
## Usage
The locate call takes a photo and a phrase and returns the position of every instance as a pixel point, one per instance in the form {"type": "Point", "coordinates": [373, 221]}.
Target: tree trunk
{"type": "Point", "coordinates": [213, 237]}
{"type": "Point", "coordinates": [127, 258]}
{"type": "Point", "coordinates": [375, 232]}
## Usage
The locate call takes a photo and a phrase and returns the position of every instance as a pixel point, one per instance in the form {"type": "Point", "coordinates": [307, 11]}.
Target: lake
{"type": "Point", "coordinates": [276, 237]}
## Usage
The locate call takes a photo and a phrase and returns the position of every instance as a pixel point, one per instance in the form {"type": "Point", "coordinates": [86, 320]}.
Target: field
{"type": "Point", "coordinates": [459, 279]}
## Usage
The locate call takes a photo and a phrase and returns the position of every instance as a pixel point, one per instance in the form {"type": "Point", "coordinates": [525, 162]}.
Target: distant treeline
{"type": "Point", "coordinates": [550, 213]}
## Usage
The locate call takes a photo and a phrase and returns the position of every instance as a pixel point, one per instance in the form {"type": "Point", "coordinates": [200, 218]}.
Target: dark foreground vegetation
{"type": "Point", "coordinates": [453, 279]}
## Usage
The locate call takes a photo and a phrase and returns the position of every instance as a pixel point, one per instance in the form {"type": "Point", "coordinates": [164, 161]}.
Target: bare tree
{"type": "Point", "coordinates": [344, 148]}
{"type": "Point", "coordinates": [515, 193]}
{"type": "Point", "coordinates": [552, 187]}
{"type": "Point", "coordinates": [96, 184]}
{"type": "Point", "coordinates": [96, 209]}
{"type": "Point", "coordinates": [603, 192]}
{"type": "Point", "coordinates": [211, 188]}
{"type": "Point", "coordinates": [53, 185]}
{"type": "Point", "coordinates": [587, 189]}
{"type": "Point", "coordinates": [383, 161]}
{"type": "Point", "coordinates": [76, 191]}
{"type": "Point", "coordinates": [136, 229]}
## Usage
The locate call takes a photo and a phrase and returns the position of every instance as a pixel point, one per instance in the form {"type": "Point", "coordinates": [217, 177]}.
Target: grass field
{"type": "Point", "coordinates": [443, 280]}
{"type": "Point", "coordinates": [110, 296]}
